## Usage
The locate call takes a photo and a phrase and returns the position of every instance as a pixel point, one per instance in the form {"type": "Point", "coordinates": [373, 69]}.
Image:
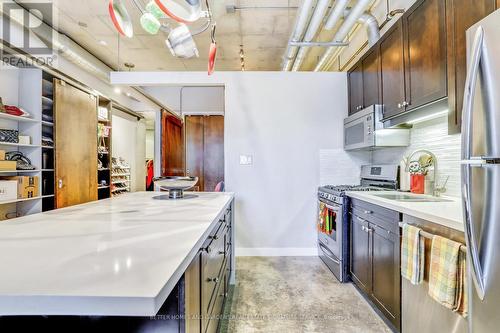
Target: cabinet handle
{"type": "Point", "coordinates": [222, 252]}
{"type": "Point", "coordinates": [214, 280]}
{"type": "Point", "coordinates": [208, 249]}
{"type": "Point", "coordinates": [363, 228]}
{"type": "Point", "coordinates": [60, 183]}
{"type": "Point", "coordinates": [400, 105]}
{"type": "Point", "coordinates": [369, 230]}
{"type": "Point", "coordinates": [405, 103]}
{"type": "Point", "coordinates": [368, 212]}
{"type": "Point", "coordinates": [214, 237]}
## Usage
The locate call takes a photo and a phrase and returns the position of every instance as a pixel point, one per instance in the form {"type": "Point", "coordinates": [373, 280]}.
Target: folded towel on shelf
{"type": "Point", "coordinates": [412, 254]}
{"type": "Point", "coordinates": [447, 274]}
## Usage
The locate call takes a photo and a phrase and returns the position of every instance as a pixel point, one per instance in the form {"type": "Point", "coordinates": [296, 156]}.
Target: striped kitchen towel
{"type": "Point", "coordinates": [412, 254]}
{"type": "Point", "coordinates": [445, 281]}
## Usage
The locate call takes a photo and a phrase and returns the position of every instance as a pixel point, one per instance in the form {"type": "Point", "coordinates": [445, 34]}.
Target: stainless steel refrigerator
{"type": "Point", "coordinates": [481, 173]}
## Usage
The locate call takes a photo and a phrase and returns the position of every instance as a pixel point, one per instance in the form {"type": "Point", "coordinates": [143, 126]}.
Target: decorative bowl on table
{"type": "Point", "coordinates": [175, 185]}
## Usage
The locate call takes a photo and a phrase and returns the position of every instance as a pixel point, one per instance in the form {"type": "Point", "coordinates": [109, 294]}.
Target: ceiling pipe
{"type": "Point", "coordinates": [343, 31]}
{"type": "Point", "coordinates": [371, 25]}
{"type": "Point", "coordinates": [320, 44]}
{"type": "Point", "coordinates": [298, 32]}
{"type": "Point", "coordinates": [336, 14]}
{"type": "Point", "coordinates": [312, 30]}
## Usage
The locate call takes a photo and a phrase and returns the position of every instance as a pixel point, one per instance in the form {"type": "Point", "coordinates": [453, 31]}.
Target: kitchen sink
{"type": "Point", "coordinates": [409, 197]}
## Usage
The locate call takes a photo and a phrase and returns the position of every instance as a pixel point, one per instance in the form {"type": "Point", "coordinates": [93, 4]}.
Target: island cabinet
{"type": "Point", "coordinates": [375, 257]}
{"type": "Point", "coordinates": [207, 280]}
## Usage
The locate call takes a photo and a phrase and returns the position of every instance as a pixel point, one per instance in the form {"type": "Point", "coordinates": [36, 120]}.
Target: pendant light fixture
{"type": "Point", "coordinates": [183, 11]}
{"type": "Point", "coordinates": [121, 18]}
{"type": "Point", "coordinates": [181, 43]}
{"type": "Point", "coordinates": [212, 53]}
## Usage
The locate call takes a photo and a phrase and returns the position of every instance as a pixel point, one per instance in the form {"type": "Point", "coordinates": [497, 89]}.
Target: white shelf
{"type": "Point", "coordinates": [19, 171]}
{"type": "Point", "coordinates": [120, 181]}
{"type": "Point", "coordinates": [118, 167]}
{"type": "Point", "coordinates": [48, 196]}
{"type": "Point", "coordinates": [48, 170]}
{"type": "Point", "coordinates": [102, 187]}
{"type": "Point", "coordinates": [47, 147]}
{"type": "Point", "coordinates": [120, 175]}
{"type": "Point", "coordinates": [18, 200]}
{"type": "Point", "coordinates": [17, 118]}
{"type": "Point", "coordinates": [18, 145]}
{"type": "Point", "coordinates": [47, 123]}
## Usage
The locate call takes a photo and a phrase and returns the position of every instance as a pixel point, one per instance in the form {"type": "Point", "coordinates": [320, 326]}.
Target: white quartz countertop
{"type": "Point", "coordinates": [448, 214]}
{"type": "Point", "coordinates": [115, 257]}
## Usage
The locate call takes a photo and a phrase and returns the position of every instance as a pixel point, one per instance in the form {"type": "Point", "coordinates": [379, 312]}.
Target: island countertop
{"type": "Point", "coordinates": [115, 257]}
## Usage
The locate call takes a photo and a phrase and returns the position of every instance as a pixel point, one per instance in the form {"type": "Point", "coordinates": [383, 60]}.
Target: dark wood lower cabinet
{"type": "Point", "coordinates": [375, 258]}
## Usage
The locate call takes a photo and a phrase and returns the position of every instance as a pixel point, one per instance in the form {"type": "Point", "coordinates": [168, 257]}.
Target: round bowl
{"type": "Point", "coordinates": [175, 185]}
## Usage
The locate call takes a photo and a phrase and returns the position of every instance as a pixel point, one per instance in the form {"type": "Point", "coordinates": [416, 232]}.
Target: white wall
{"type": "Point", "coordinates": [129, 142]}
{"type": "Point", "coordinates": [287, 122]}
{"type": "Point", "coordinates": [190, 100]}
{"type": "Point", "coordinates": [150, 144]}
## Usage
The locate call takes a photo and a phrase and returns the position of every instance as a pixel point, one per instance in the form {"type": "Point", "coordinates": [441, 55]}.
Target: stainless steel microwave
{"type": "Point", "coordinates": [364, 130]}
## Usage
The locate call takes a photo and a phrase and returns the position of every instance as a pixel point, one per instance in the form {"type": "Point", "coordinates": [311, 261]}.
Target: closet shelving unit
{"type": "Point", "coordinates": [48, 147]}
{"type": "Point", "coordinates": [104, 172]}
{"type": "Point", "coordinates": [23, 87]}
{"type": "Point", "coordinates": [120, 178]}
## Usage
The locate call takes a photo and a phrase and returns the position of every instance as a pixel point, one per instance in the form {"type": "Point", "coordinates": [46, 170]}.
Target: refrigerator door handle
{"type": "Point", "coordinates": [470, 87]}
{"type": "Point", "coordinates": [470, 235]}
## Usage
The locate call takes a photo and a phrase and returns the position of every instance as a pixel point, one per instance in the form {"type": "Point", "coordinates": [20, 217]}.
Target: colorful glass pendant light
{"type": "Point", "coordinates": [181, 43]}
{"type": "Point", "coordinates": [153, 8]}
{"type": "Point", "coordinates": [212, 53]}
{"type": "Point", "coordinates": [184, 11]}
{"type": "Point", "coordinates": [120, 17]}
{"type": "Point", "coordinates": [150, 23]}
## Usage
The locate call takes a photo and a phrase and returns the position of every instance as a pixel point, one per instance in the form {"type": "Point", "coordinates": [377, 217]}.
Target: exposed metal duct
{"type": "Point", "coordinates": [312, 30]}
{"type": "Point", "coordinates": [298, 32]}
{"type": "Point", "coordinates": [371, 25]}
{"type": "Point", "coordinates": [66, 48]}
{"type": "Point", "coordinates": [336, 14]}
{"type": "Point", "coordinates": [344, 30]}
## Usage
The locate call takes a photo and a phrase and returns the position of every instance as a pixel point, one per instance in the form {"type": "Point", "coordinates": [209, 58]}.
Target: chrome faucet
{"type": "Point", "coordinates": [436, 190]}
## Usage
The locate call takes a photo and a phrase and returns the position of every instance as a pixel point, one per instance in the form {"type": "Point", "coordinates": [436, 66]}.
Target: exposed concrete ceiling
{"type": "Point", "coordinates": [263, 27]}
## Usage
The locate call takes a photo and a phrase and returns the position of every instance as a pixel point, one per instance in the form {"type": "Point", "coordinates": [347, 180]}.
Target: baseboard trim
{"type": "Point", "coordinates": [277, 252]}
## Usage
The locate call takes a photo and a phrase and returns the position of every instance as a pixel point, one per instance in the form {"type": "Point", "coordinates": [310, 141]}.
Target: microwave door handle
{"type": "Point", "coordinates": [470, 235]}
{"type": "Point", "coordinates": [470, 87]}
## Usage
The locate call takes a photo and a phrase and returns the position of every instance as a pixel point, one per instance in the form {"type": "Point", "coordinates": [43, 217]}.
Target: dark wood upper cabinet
{"type": "Point", "coordinates": [425, 53]}
{"type": "Point", "coordinates": [355, 79]}
{"type": "Point", "coordinates": [392, 70]}
{"type": "Point", "coordinates": [461, 15]}
{"type": "Point", "coordinates": [172, 146]}
{"type": "Point", "coordinates": [371, 78]}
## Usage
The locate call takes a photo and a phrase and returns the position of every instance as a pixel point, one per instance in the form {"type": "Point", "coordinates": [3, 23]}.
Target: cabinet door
{"type": "Point", "coordinates": [192, 279]}
{"type": "Point", "coordinates": [425, 53]}
{"type": "Point", "coordinates": [371, 78]}
{"type": "Point", "coordinates": [392, 71]}
{"type": "Point", "coordinates": [194, 148]}
{"type": "Point", "coordinates": [461, 15]}
{"type": "Point", "coordinates": [173, 146]}
{"type": "Point", "coordinates": [386, 282]}
{"type": "Point", "coordinates": [213, 152]}
{"type": "Point", "coordinates": [355, 77]}
{"type": "Point", "coordinates": [75, 145]}
{"type": "Point", "coordinates": [360, 253]}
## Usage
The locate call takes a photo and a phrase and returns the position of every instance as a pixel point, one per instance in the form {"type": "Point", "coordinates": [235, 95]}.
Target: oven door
{"type": "Point", "coordinates": [330, 227]}
{"type": "Point", "coordinates": [359, 132]}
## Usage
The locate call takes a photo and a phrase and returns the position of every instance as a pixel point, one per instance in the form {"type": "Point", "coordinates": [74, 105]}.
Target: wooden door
{"type": "Point", "coordinates": [386, 281]}
{"type": "Point", "coordinates": [75, 145]}
{"type": "Point", "coordinates": [172, 145]}
{"type": "Point", "coordinates": [194, 149]}
{"type": "Point", "coordinates": [392, 71]}
{"type": "Point", "coordinates": [461, 15]}
{"type": "Point", "coordinates": [360, 253]}
{"type": "Point", "coordinates": [371, 78]}
{"type": "Point", "coordinates": [425, 53]}
{"type": "Point", "coordinates": [205, 150]}
{"type": "Point", "coordinates": [355, 79]}
{"type": "Point", "coordinates": [213, 152]}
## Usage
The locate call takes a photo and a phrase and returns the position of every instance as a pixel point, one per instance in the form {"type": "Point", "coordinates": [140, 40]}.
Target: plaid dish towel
{"type": "Point", "coordinates": [461, 300]}
{"type": "Point", "coordinates": [445, 276]}
{"type": "Point", "coordinates": [412, 255]}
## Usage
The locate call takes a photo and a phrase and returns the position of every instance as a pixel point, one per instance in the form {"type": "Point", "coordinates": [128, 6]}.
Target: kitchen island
{"type": "Point", "coordinates": [120, 257]}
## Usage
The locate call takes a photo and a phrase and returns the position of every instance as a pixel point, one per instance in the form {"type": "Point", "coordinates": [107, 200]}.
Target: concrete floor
{"type": "Point", "coordinates": [295, 295]}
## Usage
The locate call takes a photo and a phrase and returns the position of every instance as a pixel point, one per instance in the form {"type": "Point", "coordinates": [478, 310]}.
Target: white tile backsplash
{"type": "Point", "coordinates": [431, 135]}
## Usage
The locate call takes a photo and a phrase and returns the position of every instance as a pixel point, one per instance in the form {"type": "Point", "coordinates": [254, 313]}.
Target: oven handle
{"type": "Point", "coordinates": [337, 209]}
{"type": "Point", "coordinates": [324, 249]}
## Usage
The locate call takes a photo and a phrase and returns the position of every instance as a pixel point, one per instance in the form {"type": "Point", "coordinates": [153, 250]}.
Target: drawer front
{"type": "Point", "coordinates": [383, 217]}
{"type": "Point", "coordinates": [218, 304]}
